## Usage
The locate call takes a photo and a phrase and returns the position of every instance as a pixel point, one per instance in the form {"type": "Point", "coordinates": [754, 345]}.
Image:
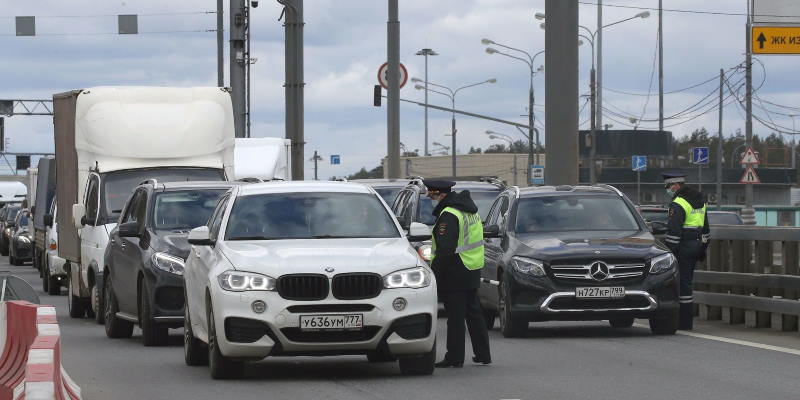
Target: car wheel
{"type": "Point", "coordinates": [97, 305]}
{"type": "Point", "coordinates": [116, 328]}
{"type": "Point", "coordinates": [75, 305]}
{"type": "Point", "coordinates": [46, 281]}
{"type": "Point", "coordinates": [622, 322]}
{"type": "Point", "coordinates": [419, 365]}
{"type": "Point", "coordinates": [489, 316]}
{"type": "Point", "coordinates": [195, 352]}
{"type": "Point", "coordinates": [665, 324]}
{"type": "Point", "coordinates": [152, 333]}
{"type": "Point", "coordinates": [221, 367]}
{"type": "Point", "coordinates": [510, 326]}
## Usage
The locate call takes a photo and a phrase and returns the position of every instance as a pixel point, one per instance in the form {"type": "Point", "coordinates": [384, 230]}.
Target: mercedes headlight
{"type": "Point", "coordinates": [425, 252]}
{"type": "Point", "coordinates": [238, 281]}
{"type": "Point", "coordinates": [413, 278]}
{"type": "Point", "coordinates": [528, 266]}
{"type": "Point", "coordinates": [662, 263]}
{"type": "Point", "coordinates": [168, 262]}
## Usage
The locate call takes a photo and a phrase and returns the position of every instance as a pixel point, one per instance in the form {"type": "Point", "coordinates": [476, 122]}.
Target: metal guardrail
{"type": "Point", "coordinates": [751, 276]}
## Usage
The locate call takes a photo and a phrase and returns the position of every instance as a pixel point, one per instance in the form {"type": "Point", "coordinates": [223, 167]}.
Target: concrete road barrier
{"type": "Point", "coordinates": [30, 362]}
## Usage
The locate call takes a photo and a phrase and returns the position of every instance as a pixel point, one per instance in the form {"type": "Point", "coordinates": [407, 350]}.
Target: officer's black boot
{"type": "Point", "coordinates": [685, 317]}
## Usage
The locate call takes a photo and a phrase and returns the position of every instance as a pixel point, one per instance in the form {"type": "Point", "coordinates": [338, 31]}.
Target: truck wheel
{"type": "Point", "coordinates": [152, 334]}
{"type": "Point", "coordinates": [76, 305]}
{"type": "Point", "coordinates": [46, 282]}
{"type": "Point", "coordinates": [419, 365]}
{"type": "Point", "coordinates": [116, 328]}
{"type": "Point", "coordinates": [665, 324]}
{"type": "Point", "coordinates": [195, 352]}
{"type": "Point", "coordinates": [97, 305]}
{"type": "Point", "coordinates": [53, 285]}
{"type": "Point", "coordinates": [622, 322]}
{"type": "Point", "coordinates": [510, 326]}
{"type": "Point", "coordinates": [221, 367]}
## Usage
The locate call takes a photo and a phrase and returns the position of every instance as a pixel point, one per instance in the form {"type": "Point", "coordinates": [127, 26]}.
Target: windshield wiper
{"type": "Point", "coordinates": [251, 238]}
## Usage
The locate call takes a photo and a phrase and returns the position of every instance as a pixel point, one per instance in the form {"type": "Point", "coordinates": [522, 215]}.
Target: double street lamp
{"type": "Point", "coordinates": [595, 89]}
{"type": "Point", "coordinates": [501, 136]}
{"type": "Point", "coordinates": [529, 61]}
{"type": "Point", "coordinates": [450, 94]}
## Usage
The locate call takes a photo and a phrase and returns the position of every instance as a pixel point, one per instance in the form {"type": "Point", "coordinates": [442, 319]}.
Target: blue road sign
{"type": "Point", "coordinates": [537, 174]}
{"type": "Point", "coordinates": [335, 159]}
{"type": "Point", "coordinates": [639, 163]}
{"type": "Point", "coordinates": [699, 155]}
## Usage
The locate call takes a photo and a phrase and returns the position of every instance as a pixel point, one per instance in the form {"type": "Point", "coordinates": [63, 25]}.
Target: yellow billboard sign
{"type": "Point", "coordinates": [775, 40]}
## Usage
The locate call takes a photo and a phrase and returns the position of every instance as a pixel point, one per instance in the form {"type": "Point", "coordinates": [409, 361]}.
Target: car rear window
{"type": "Point", "coordinates": [574, 213]}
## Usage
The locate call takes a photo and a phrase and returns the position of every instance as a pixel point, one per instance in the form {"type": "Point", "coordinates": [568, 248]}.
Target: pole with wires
{"type": "Point", "coordinates": [660, 69]}
{"type": "Point", "coordinates": [748, 213]}
{"type": "Point", "coordinates": [719, 142]}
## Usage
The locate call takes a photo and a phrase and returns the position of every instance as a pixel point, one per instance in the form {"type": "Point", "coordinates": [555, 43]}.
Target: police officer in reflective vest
{"type": "Point", "coordinates": [456, 258]}
{"type": "Point", "coordinates": [687, 237]}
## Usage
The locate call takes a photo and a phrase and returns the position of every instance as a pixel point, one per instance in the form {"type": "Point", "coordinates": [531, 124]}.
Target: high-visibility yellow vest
{"type": "Point", "coordinates": [695, 217]}
{"type": "Point", "coordinates": [470, 239]}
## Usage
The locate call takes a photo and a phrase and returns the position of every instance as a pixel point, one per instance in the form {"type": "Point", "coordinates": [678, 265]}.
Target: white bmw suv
{"type": "Point", "coordinates": [307, 268]}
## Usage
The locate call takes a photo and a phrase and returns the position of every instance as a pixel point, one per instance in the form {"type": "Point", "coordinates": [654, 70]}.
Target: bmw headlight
{"type": "Point", "coordinates": [425, 252]}
{"type": "Point", "coordinates": [662, 263]}
{"type": "Point", "coordinates": [413, 278]}
{"type": "Point", "coordinates": [168, 262]}
{"type": "Point", "coordinates": [238, 281]}
{"type": "Point", "coordinates": [528, 266]}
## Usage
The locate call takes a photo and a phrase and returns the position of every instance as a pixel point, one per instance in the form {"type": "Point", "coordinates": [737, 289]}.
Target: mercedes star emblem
{"type": "Point", "coordinates": [599, 271]}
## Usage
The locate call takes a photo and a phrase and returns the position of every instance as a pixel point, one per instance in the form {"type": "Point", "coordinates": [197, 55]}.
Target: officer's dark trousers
{"type": "Point", "coordinates": [690, 249]}
{"type": "Point", "coordinates": [463, 305]}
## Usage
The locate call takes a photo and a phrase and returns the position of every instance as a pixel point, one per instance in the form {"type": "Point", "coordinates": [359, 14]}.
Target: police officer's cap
{"type": "Point", "coordinates": [673, 177]}
{"type": "Point", "coordinates": [436, 185]}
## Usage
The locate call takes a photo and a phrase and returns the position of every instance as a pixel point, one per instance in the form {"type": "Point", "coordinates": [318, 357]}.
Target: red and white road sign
{"type": "Point", "coordinates": [383, 73]}
{"type": "Point", "coordinates": [750, 176]}
{"type": "Point", "coordinates": [749, 157]}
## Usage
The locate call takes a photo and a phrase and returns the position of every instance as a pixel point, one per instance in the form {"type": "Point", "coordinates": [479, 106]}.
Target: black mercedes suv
{"type": "Point", "coordinates": [574, 253]}
{"type": "Point", "coordinates": [146, 253]}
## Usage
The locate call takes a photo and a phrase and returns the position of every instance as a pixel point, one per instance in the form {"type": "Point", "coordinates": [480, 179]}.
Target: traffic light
{"type": "Point", "coordinates": [376, 99]}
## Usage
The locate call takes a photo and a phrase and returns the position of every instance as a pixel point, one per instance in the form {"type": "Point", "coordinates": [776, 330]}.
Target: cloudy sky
{"type": "Point", "coordinates": [346, 42]}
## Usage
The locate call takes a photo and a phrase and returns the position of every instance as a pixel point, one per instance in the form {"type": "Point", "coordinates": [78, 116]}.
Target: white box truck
{"type": "Point", "coordinates": [108, 140]}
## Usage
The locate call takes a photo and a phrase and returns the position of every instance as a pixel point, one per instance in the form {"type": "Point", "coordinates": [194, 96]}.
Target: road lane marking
{"type": "Point", "coordinates": [747, 343]}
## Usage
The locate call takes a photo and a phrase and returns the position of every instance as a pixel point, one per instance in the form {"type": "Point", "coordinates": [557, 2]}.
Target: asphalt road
{"type": "Point", "coordinates": [586, 360]}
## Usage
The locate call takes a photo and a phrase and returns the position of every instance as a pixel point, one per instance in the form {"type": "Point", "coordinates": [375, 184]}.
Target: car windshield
{"type": "Point", "coordinates": [388, 193]}
{"type": "Point", "coordinates": [724, 218]}
{"type": "Point", "coordinates": [183, 210]}
{"type": "Point", "coordinates": [309, 216]}
{"type": "Point", "coordinates": [483, 199]}
{"type": "Point", "coordinates": [118, 185]}
{"type": "Point", "coordinates": [12, 213]}
{"type": "Point", "coordinates": [574, 213]}
{"type": "Point", "coordinates": [655, 215]}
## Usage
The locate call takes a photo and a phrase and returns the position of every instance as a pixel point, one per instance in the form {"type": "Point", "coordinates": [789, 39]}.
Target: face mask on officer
{"type": "Point", "coordinates": [669, 192]}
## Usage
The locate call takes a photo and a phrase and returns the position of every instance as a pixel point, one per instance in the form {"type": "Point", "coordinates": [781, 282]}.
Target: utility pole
{"type": "Point", "coordinates": [426, 53]}
{"type": "Point", "coordinates": [599, 63]}
{"type": "Point", "coordinates": [293, 54]}
{"type": "Point", "coordinates": [661, 70]}
{"type": "Point", "coordinates": [393, 92]}
{"type": "Point", "coordinates": [748, 213]}
{"type": "Point", "coordinates": [220, 43]}
{"type": "Point", "coordinates": [561, 92]}
{"type": "Point", "coordinates": [593, 128]}
{"type": "Point", "coordinates": [316, 159]}
{"type": "Point", "coordinates": [719, 142]}
{"type": "Point", "coordinates": [239, 62]}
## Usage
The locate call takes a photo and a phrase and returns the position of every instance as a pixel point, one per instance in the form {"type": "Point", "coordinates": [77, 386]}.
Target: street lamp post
{"type": "Point", "coordinates": [595, 89]}
{"type": "Point", "coordinates": [426, 53]}
{"type": "Point", "coordinates": [496, 135]}
{"type": "Point", "coordinates": [451, 94]}
{"type": "Point", "coordinates": [531, 99]}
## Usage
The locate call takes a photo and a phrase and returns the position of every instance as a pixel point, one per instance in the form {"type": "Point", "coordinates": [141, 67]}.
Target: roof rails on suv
{"type": "Point", "coordinates": [609, 187]}
{"type": "Point", "coordinates": [493, 181]}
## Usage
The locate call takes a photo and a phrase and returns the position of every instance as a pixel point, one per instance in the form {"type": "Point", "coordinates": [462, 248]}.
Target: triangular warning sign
{"type": "Point", "coordinates": [750, 176]}
{"type": "Point", "coordinates": [749, 157]}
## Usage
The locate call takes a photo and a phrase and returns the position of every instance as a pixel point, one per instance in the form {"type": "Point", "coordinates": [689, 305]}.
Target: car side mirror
{"type": "Point", "coordinates": [491, 232]}
{"type": "Point", "coordinates": [418, 232]}
{"type": "Point", "coordinates": [129, 229]}
{"type": "Point", "coordinates": [48, 220]}
{"type": "Point", "coordinates": [200, 236]}
{"type": "Point", "coordinates": [78, 212]}
{"type": "Point", "coordinates": [658, 228]}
